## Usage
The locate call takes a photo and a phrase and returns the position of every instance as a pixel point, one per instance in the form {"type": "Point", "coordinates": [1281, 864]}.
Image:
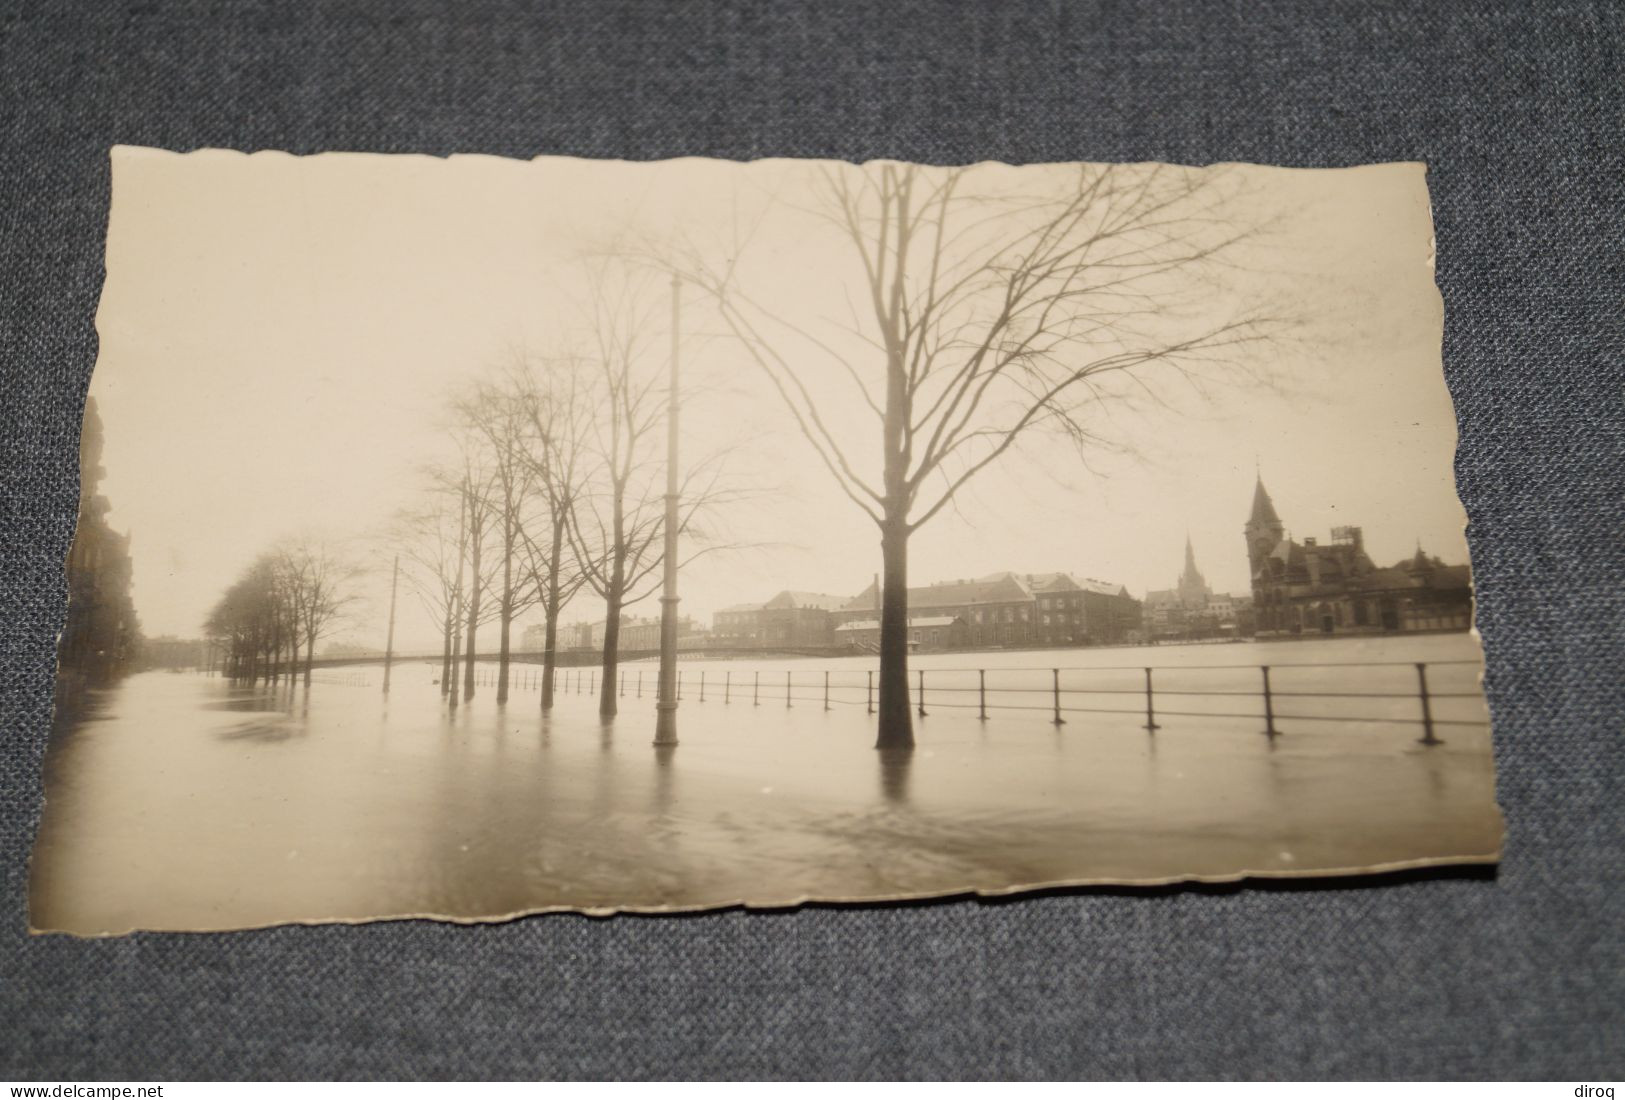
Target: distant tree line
{"type": "Point", "coordinates": [272, 616]}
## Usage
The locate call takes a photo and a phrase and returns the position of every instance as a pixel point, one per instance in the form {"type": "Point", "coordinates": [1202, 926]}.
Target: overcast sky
{"type": "Point", "coordinates": [279, 336]}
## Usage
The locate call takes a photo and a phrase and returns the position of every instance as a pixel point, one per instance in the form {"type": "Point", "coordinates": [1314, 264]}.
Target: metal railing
{"type": "Point", "coordinates": [1392, 692]}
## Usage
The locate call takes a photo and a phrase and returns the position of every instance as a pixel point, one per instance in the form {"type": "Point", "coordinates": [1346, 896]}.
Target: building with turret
{"type": "Point", "coordinates": [1311, 587]}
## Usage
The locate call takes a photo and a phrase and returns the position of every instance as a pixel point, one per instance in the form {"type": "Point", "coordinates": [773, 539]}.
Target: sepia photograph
{"type": "Point", "coordinates": [467, 538]}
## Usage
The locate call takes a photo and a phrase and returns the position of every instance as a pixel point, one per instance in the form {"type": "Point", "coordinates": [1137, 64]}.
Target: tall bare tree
{"type": "Point", "coordinates": [427, 536]}
{"type": "Point", "coordinates": [498, 415]}
{"type": "Point", "coordinates": [986, 314]}
{"type": "Point", "coordinates": [554, 402]}
{"type": "Point", "coordinates": [322, 583]}
{"type": "Point", "coordinates": [477, 487]}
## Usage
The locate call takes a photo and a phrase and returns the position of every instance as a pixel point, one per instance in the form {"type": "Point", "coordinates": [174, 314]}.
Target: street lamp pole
{"type": "Point", "coordinates": [666, 708]}
{"type": "Point", "coordinates": [389, 645]}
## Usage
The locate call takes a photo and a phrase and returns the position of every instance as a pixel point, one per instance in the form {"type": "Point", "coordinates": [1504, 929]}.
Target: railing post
{"type": "Point", "coordinates": [1150, 712]}
{"type": "Point", "coordinates": [1055, 674]}
{"type": "Point", "coordinates": [826, 689]}
{"type": "Point", "coordinates": [727, 684]}
{"type": "Point", "coordinates": [1269, 706]}
{"type": "Point", "coordinates": [922, 693]}
{"type": "Point", "coordinates": [623, 683]}
{"type": "Point", "coordinates": [1427, 707]}
{"type": "Point", "coordinates": [981, 694]}
{"type": "Point", "coordinates": [702, 684]}
{"type": "Point", "coordinates": [756, 689]}
{"type": "Point", "coordinates": [592, 680]}
{"type": "Point", "coordinates": [869, 692]}
{"type": "Point", "coordinates": [786, 691]}
{"type": "Point", "coordinates": [679, 685]}
{"type": "Point", "coordinates": [640, 683]}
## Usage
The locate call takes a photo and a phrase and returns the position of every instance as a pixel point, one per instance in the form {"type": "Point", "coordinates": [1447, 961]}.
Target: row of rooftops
{"type": "Point", "coordinates": [1012, 587]}
{"type": "Point", "coordinates": [1005, 587]}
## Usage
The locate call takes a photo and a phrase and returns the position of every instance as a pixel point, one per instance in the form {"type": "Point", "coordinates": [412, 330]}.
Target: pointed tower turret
{"type": "Point", "coordinates": [1264, 529]}
{"type": "Point", "coordinates": [1192, 586]}
{"type": "Point", "coordinates": [1420, 564]}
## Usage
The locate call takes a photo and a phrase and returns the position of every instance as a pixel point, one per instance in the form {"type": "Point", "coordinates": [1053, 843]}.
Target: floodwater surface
{"type": "Point", "coordinates": [181, 801]}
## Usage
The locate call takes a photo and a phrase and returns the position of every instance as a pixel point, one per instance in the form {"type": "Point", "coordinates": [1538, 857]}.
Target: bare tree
{"type": "Point", "coordinates": [322, 584]}
{"type": "Point", "coordinates": [985, 315]}
{"type": "Point", "coordinates": [427, 537]}
{"type": "Point", "coordinates": [498, 415]}
{"type": "Point", "coordinates": [553, 401]}
{"type": "Point", "coordinates": [476, 486]}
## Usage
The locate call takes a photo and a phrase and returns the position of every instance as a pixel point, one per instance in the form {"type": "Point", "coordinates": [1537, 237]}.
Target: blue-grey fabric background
{"type": "Point", "coordinates": [1518, 109]}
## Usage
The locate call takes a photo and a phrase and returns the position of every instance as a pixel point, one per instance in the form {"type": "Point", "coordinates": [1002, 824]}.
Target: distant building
{"type": "Point", "coordinates": [789, 620]}
{"type": "Point", "coordinates": [345, 650]}
{"type": "Point", "coordinates": [737, 625]}
{"type": "Point", "coordinates": [1081, 610]}
{"type": "Point", "coordinates": [1336, 588]}
{"type": "Point", "coordinates": [925, 633]}
{"type": "Point", "coordinates": [1191, 610]}
{"type": "Point", "coordinates": [1001, 609]}
{"type": "Point", "coordinates": [170, 652]}
{"type": "Point", "coordinates": [637, 635]}
{"type": "Point", "coordinates": [997, 610]}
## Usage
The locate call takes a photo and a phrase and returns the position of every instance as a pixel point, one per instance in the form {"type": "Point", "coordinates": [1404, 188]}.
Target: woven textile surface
{"type": "Point", "coordinates": [1518, 110]}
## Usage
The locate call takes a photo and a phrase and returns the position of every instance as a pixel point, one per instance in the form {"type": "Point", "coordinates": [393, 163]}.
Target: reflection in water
{"type": "Point", "coordinates": [894, 770]}
{"type": "Point", "coordinates": [184, 802]}
{"type": "Point", "coordinates": [665, 780]}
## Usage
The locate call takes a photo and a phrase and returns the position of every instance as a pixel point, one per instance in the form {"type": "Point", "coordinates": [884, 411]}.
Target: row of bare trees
{"type": "Point", "coordinates": [557, 487]}
{"type": "Point", "coordinates": [272, 616]}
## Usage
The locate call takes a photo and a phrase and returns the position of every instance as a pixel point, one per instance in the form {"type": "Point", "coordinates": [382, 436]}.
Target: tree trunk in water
{"type": "Point", "coordinates": [550, 642]}
{"type": "Point", "coordinates": [502, 658]}
{"type": "Point", "coordinates": [612, 656]}
{"type": "Point", "coordinates": [896, 719]}
{"type": "Point", "coordinates": [473, 621]}
{"type": "Point", "coordinates": [310, 653]}
{"type": "Point", "coordinates": [550, 657]}
{"type": "Point", "coordinates": [456, 658]}
{"type": "Point", "coordinates": [503, 649]}
{"type": "Point", "coordinates": [445, 656]}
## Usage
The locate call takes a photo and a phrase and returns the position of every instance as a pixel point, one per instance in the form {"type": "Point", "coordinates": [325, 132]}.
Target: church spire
{"type": "Point", "coordinates": [1192, 587]}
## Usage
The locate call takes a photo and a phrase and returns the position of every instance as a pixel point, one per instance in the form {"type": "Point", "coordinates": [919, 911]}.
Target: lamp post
{"type": "Point", "coordinates": [389, 645]}
{"type": "Point", "coordinates": [666, 707]}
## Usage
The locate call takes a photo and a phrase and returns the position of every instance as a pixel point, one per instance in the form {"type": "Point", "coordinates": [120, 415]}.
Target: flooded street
{"type": "Point", "coordinates": [182, 801]}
